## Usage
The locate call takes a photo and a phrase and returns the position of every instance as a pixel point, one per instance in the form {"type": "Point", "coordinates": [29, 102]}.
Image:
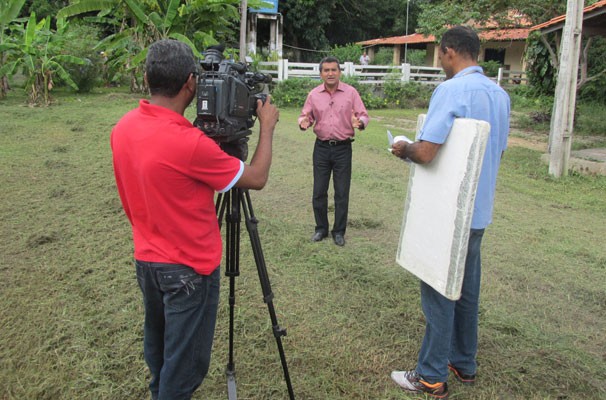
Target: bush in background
{"type": "Point", "coordinates": [384, 56]}
{"type": "Point", "coordinates": [81, 40]}
{"type": "Point", "coordinates": [595, 89]}
{"type": "Point", "coordinates": [371, 101]}
{"type": "Point", "coordinates": [407, 95]}
{"type": "Point", "coordinates": [415, 57]}
{"type": "Point", "coordinates": [293, 92]}
{"type": "Point", "coordinates": [491, 68]}
{"type": "Point", "coordinates": [348, 53]}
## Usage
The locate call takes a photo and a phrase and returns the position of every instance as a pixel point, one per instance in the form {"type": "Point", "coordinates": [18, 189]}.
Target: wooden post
{"type": "Point", "coordinates": [562, 118]}
{"type": "Point", "coordinates": [243, 26]}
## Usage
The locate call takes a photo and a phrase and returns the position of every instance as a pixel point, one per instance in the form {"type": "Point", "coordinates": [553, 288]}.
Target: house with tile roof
{"type": "Point", "coordinates": [505, 43]}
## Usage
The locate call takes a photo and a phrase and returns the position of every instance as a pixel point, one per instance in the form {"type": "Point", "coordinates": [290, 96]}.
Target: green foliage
{"type": "Point", "coordinates": [195, 23]}
{"type": "Point", "coordinates": [36, 51]}
{"type": "Point", "coordinates": [81, 40]}
{"type": "Point", "coordinates": [407, 95]}
{"type": "Point", "coordinates": [348, 53]}
{"type": "Point", "coordinates": [542, 75]}
{"type": "Point", "coordinates": [526, 97]}
{"type": "Point", "coordinates": [415, 57]}
{"type": "Point", "coordinates": [315, 25]}
{"type": "Point", "coordinates": [595, 89]}
{"type": "Point", "coordinates": [45, 8]}
{"type": "Point", "coordinates": [293, 92]}
{"type": "Point", "coordinates": [305, 22]}
{"type": "Point", "coordinates": [9, 11]}
{"type": "Point", "coordinates": [436, 16]}
{"type": "Point", "coordinates": [491, 68]}
{"type": "Point", "coordinates": [384, 56]}
{"type": "Point", "coordinates": [370, 100]}
{"type": "Point", "coordinates": [589, 119]}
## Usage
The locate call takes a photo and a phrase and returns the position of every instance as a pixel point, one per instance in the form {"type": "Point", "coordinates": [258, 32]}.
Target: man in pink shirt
{"type": "Point", "coordinates": [335, 110]}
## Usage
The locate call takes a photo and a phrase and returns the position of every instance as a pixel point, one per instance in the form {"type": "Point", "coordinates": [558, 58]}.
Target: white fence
{"type": "Point", "coordinates": [375, 74]}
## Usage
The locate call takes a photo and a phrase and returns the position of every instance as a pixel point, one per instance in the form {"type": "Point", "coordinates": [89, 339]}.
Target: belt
{"type": "Point", "coordinates": [333, 142]}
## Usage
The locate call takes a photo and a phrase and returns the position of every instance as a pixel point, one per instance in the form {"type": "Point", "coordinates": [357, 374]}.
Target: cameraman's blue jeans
{"type": "Point", "coordinates": [180, 315]}
{"type": "Point", "coordinates": [451, 331]}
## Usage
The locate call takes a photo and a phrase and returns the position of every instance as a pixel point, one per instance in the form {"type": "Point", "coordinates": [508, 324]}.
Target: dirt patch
{"type": "Point", "coordinates": [527, 143]}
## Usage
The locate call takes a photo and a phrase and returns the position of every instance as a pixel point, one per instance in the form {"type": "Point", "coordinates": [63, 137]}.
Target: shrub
{"type": "Point", "coordinates": [384, 56]}
{"type": "Point", "coordinates": [491, 68]}
{"type": "Point", "coordinates": [293, 92]}
{"type": "Point", "coordinates": [371, 101]}
{"type": "Point", "coordinates": [415, 57]}
{"type": "Point", "coordinates": [595, 90]}
{"type": "Point", "coordinates": [407, 95]}
{"type": "Point", "coordinates": [348, 53]}
{"type": "Point", "coordinates": [81, 40]}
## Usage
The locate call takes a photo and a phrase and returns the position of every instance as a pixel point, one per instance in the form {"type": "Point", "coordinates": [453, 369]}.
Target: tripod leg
{"type": "Point", "coordinates": [230, 203]}
{"type": "Point", "coordinates": [251, 226]}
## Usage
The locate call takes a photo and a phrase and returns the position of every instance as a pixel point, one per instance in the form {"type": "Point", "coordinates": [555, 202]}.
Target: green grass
{"type": "Point", "coordinates": [71, 309]}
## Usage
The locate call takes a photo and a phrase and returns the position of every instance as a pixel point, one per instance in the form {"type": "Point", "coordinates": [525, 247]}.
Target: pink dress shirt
{"type": "Point", "coordinates": [331, 114]}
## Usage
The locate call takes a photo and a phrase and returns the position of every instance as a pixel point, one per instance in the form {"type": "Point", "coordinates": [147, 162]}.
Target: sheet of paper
{"type": "Point", "coordinates": [391, 140]}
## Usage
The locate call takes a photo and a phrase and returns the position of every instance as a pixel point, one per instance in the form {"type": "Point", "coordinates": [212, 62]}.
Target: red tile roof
{"type": "Point", "coordinates": [504, 34]}
{"type": "Point", "coordinates": [562, 18]}
{"type": "Point", "coordinates": [413, 38]}
{"type": "Point", "coordinates": [488, 35]}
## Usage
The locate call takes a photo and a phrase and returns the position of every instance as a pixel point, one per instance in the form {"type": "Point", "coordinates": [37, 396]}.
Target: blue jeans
{"type": "Point", "coordinates": [329, 159]}
{"type": "Point", "coordinates": [451, 330]}
{"type": "Point", "coordinates": [180, 315]}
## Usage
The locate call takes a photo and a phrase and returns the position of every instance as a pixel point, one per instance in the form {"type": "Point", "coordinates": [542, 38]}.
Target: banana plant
{"type": "Point", "coordinates": [195, 22]}
{"type": "Point", "coordinates": [33, 51]}
{"type": "Point", "coordinates": [9, 11]}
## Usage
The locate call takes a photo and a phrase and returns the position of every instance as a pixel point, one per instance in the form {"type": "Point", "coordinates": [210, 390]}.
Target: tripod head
{"type": "Point", "coordinates": [237, 148]}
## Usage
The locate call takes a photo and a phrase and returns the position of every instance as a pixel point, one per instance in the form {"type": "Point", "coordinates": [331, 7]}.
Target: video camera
{"type": "Point", "coordinates": [227, 95]}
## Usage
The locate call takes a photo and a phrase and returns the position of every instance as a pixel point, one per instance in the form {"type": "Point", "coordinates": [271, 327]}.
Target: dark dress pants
{"type": "Point", "coordinates": [335, 159]}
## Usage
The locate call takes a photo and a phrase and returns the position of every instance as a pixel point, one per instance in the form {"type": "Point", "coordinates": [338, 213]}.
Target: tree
{"type": "Point", "coordinates": [315, 25]}
{"type": "Point", "coordinates": [9, 11]}
{"type": "Point", "coordinates": [142, 23]}
{"type": "Point", "coordinates": [437, 16]}
{"type": "Point", "coordinates": [32, 49]}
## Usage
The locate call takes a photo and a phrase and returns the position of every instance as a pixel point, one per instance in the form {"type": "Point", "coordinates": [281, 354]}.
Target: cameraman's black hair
{"type": "Point", "coordinates": [463, 40]}
{"type": "Point", "coordinates": [168, 65]}
{"type": "Point", "coordinates": [330, 59]}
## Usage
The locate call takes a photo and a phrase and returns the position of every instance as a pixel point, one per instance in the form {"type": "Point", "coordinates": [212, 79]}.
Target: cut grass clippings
{"type": "Point", "coordinates": [72, 317]}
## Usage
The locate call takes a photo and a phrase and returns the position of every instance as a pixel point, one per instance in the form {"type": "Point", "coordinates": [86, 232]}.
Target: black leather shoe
{"type": "Point", "coordinates": [339, 239]}
{"type": "Point", "coordinates": [318, 236]}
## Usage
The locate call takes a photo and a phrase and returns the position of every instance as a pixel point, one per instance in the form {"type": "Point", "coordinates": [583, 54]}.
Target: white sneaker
{"type": "Point", "coordinates": [411, 381]}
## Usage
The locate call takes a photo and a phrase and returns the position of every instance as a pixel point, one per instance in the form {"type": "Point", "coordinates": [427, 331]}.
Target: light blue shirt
{"type": "Point", "coordinates": [469, 94]}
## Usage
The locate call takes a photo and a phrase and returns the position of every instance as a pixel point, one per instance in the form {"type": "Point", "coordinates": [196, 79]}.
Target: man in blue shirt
{"type": "Point", "coordinates": [451, 332]}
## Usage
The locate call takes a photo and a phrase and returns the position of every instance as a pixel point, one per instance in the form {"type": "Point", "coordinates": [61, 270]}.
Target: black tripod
{"type": "Point", "coordinates": [228, 205]}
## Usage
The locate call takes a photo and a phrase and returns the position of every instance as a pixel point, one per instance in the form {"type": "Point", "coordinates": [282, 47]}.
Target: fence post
{"type": "Point", "coordinates": [284, 73]}
{"type": "Point", "coordinates": [349, 68]}
{"type": "Point", "coordinates": [500, 76]}
{"type": "Point", "coordinates": [405, 73]}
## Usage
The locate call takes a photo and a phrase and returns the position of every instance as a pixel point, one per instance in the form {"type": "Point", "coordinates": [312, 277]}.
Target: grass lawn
{"type": "Point", "coordinates": [71, 325]}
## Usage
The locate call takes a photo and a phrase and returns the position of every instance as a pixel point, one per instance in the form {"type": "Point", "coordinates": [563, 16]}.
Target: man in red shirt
{"type": "Point", "coordinates": [335, 110]}
{"type": "Point", "coordinates": [167, 172]}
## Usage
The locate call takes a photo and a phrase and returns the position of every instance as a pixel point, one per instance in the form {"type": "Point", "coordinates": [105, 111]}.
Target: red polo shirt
{"type": "Point", "coordinates": [167, 172]}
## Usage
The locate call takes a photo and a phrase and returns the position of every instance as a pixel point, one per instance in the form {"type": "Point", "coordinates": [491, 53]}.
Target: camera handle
{"type": "Point", "coordinates": [228, 207]}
